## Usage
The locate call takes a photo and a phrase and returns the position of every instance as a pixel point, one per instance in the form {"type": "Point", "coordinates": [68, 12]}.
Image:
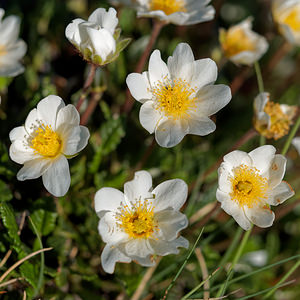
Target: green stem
{"type": "Point", "coordinates": [41, 275]}
{"type": "Point", "coordinates": [259, 77]}
{"type": "Point", "coordinates": [236, 258]}
{"type": "Point", "coordinates": [283, 279]}
{"type": "Point", "coordinates": [290, 137]}
{"type": "Point", "coordinates": [262, 140]}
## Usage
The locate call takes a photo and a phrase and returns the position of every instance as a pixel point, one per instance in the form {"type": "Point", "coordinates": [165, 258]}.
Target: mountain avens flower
{"type": "Point", "coordinates": [141, 222]}
{"type": "Point", "coordinates": [12, 49]}
{"type": "Point", "coordinates": [272, 120]}
{"type": "Point", "coordinates": [178, 97]}
{"type": "Point", "coordinates": [286, 14]}
{"type": "Point", "coordinates": [241, 45]}
{"type": "Point", "coordinates": [250, 182]}
{"type": "Point", "coordinates": [50, 136]}
{"type": "Point", "coordinates": [179, 12]}
{"type": "Point", "coordinates": [97, 39]}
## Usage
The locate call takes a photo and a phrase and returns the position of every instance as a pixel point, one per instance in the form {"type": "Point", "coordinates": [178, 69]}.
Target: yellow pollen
{"type": "Point", "coordinates": [248, 187]}
{"type": "Point", "coordinates": [293, 18]}
{"type": "Point", "coordinates": [46, 141]}
{"type": "Point", "coordinates": [174, 98]}
{"type": "Point", "coordinates": [137, 221]}
{"type": "Point", "coordinates": [234, 41]}
{"type": "Point", "coordinates": [279, 122]}
{"type": "Point", "coordinates": [168, 6]}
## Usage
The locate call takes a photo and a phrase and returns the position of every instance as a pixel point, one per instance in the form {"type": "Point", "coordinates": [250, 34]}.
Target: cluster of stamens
{"type": "Point", "coordinates": [137, 219]}
{"type": "Point", "coordinates": [175, 98]}
{"type": "Point", "coordinates": [248, 187]}
{"type": "Point", "coordinates": [168, 6]}
{"type": "Point", "coordinates": [293, 19]}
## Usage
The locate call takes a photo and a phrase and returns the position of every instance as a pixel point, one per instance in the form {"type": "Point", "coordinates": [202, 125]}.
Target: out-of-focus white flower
{"type": "Point", "coordinates": [286, 14]}
{"type": "Point", "coordinates": [142, 222]}
{"type": "Point", "coordinates": [51, 134]}
{"type": "Point", "coordinates": [178, 97]}
{"type": "Point", "coordinates": [250, 182]}
{"type": "Point", "coordinates": [272, 120]}
{"type": "Point", "coordinates": [179, 12]}
{"type": "Point", "coordinates": [296, 143]}
{"type": "Point", "coordinates": [12, 49]}
{"type": "Point", "coordinates": [241, 44]}
{"type": "Point", "coordinates": [98, 38]}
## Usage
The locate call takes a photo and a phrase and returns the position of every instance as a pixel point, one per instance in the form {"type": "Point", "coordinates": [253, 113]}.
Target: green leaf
{"type": "Point", "coordinates": [121, 45]}
{"type": "Point", "coordinates": [30, 273]}
{"type": "Point", "coordinates": [5, 193]}
{"type": "Point", "coordinates": [45, 221]}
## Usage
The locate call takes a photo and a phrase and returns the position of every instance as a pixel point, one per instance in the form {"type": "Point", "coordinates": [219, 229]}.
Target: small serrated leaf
{"type": "Point", "coordinates": [44, 221]}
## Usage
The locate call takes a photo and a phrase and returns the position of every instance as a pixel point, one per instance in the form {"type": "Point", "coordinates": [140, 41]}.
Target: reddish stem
{"type": "Point", "coordinates": [96, 96]}
{"type": "Point", "coordinates": [141, 64]}
{"type": "Point", "coordinates": [86, 85]}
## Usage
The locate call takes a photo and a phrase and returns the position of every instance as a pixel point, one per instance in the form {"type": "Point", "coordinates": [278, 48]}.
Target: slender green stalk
{"type": "Point", "coordinates": [290, 137]}
{"type": "Point", "coordinates": [183, 265]}
{"type": "Point", "coordinates": [41, 275]}
{"type": "Point", "coordinates": [236, 258]}
{"type": "Point", "coordinates": [262, 140]}
{"type": "Point", "coordinates": [199, 285]}
{"type": "Point", "coordinates": [260, 81]}
{"type": "Point", "coordinates": [282, 280]}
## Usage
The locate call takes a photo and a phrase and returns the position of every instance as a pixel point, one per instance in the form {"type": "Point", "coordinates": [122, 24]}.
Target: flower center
{"type": "Point", "coordinates": [248, 187]}
{"type": "Point", "coordinates": [293, 18]}
{"type": "Point", "coordinates": [46, 142]}
{"type": "Point", "coordinates": [280, 122]}
{"type": "Point", "coordinates": [174, 98]}
{"type": "Point", "coordinates": [168, 6]}
{"type": "Point", "coordinates": [138, 220]}
{"type": "Point", "coordinates": [235, 41]}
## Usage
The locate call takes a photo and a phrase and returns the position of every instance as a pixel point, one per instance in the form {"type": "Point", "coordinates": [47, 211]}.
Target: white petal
{"type": "Point", "coordinates": [201, 126]}
{"type": "Point", "coordinates": [237, 157]}
{"type": "Point", "coordinates": [110, 255]}
{"type": "Point", "coordinates": [20, 153]}
{"type": "Point", "coordinates": [17, 133]}
{"type": "Point", "coordinates": [109, 230]}
{"type": "Point", "coordinates": [149, 116]}
{"type": "Point", "coordinates": [280, 193]}
{"type": "Point", "coordinates": [224, 174]}
{"type": "Point", "coordinates": [147, 261]}
{"type": "Point", "coordinates": [107, 20]}
{"type": "Point", "coordinates": [11, 70]}
{"type": "Point", "coordinates": [72, 31]}
{"type": "Point", "coordinates": [47, 110]}
{"type": "Point", "coordinates": [276, 170]}
{"type": "Point", "coordinates": [170, 194]}
{"type": "Point", "coordinates": [171, 222]}
{"type": "Point", "coordinates": [139, 86]}
{"type": "Point", "coordinates": [205, 72]}
{"type": "Point", "coordinates": [9, 30]}
{"type": "Point", "coordinates": [169, 132]}
{"type": "Point", "coordinates": [212, 98]}
{"type": "Point", "coordinates": [31, 122]}
{"type": "Point", "coordinates": [140, 187]}
{"type": "Point", "coordinates": [296, 143]}
{"type": "Point", "coordinates": [108, 199]}
{"type": "Point", "coordinates": [33, 169]}
{"type": "Point", "coordinates": [260, 101]}
{"type": "Point", "coordinates": [68, 115]}
{"type": "Point", "coordinates": [57, 177]}
{"type": "Point", "coordinates": [158, 70]}
{"type": "Point", "coordinates": [260, 216]}
{"type": "Point", "coordinates": [162, 247]}
{"type": "Point", "coordinates": [14, 53]}
{"type": "Point", "coordinates": [102, 42]}
{"type": "Point", "coordinates": [262, 157]}
{"type": "Point", "coordinates": [138, 247]}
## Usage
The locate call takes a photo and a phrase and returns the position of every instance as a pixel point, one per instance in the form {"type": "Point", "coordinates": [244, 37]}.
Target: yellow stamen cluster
{"type": "Point", "coordinates": [174, 98]}
{"type": "Point", "coordinates": [279, 122]}
{"type": "Point", "coordinates": [293, 19]}
{"type": "Point", "coordinates": [234, 41]}
{"type": "Point", "coordinates": [248, 187]}
{"type": "Point", "coordinates": [137, 220]}
{"type": "Point", "coordinates": [46, 141]}
{"type": "Point", "coordinates": [168, 6]}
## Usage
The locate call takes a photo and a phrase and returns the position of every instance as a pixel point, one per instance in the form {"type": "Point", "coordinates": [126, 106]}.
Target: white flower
{"type": "Point", "coordinates": [296, 143]}
{"type": "Point", "coordinates": [142, 222]}
{"type": "Point", "coordinates": [286, 14]}
{"type": "Point", "coordinates": [250, 182]}
{"type": "Point", "coordinates": [178, 97]}
{"type": "Point", "coordinates": [241, 44]}
{"type": "Point", "coordinates": [12, 49]}
{"type": "Point", "coordinates": [51, 134]}
{"type": "Point", "coordinates": [272, 120]}
{"type": "Point", "coordinates": [179, 12]}
{"type": "Point", "coordinates": [97, 38]}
